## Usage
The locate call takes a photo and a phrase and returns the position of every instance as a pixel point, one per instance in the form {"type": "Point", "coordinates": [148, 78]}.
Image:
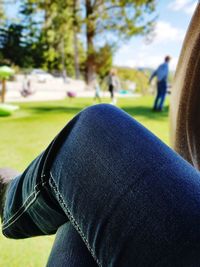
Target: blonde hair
{"type": "Point", "coordinates": [113, 71]}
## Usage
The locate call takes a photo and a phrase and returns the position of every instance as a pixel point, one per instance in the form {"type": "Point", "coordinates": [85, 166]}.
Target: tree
{"type": "Point", "coordinates": [50, 31]}
{"type": "Point", "coordinates": [140, 77]}
{"type": "Point", "coordinates": [1, 11]}
{"type": "Point", "coordinates": [111, 21]}
{"type": "Point", "coordinates": [76, 29]}
{"type": "Point", "coordinates": [11, 44]}
{"type": "Point", "coordinates": [55, 29]}
{"type": "Point", "coordinates": [103, 61]}
{"type": "Point", "coordinates": [1, 23]}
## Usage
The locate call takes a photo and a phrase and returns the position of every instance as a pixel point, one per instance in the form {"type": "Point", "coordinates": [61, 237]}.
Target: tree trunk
{"type": "Point", "coordinates": [90, 43]}
{"type": "Point", "coordinates": [64, 73]}
{"type": "Point", "coordinates": [76, 56]}
{"type": "Point", "coordinates": [3, 91]}
{"type": "Point", "coordinates": [90, 61]}
{"type": "Point", "coordinates": [75, 29]}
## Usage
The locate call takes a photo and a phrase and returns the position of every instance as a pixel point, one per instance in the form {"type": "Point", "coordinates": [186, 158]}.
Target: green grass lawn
{"type": "Point", "coordinates": [25, 134]}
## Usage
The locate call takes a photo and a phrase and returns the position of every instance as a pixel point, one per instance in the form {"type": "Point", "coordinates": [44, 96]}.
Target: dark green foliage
{"type": "Point", "coordinates": [16, 49]}
{"type": "Point", "coordinates": [11, 44]}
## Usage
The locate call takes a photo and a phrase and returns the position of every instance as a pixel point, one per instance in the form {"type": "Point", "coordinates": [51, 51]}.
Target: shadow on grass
{"type": "Point", "coordinates": [138, 111]}
{"type": "Point", "coordinates": [54, 109]}
{"type": "Point", "coordinates": [146, 112]}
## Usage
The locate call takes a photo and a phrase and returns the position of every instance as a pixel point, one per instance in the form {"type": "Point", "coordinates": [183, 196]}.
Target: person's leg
{"type": "Point", "coordinates": [111, 89]}
{"type": "Point", "coordinates": [69, 249]}
{"type": "Point", "coordinates": [157, 99]}
{"type": "Point", "coordinates": [130, 197]}
{"type": "Point", "coordinates": [163, 91]}
{"type": "Point", "coordinates": [162, 100]}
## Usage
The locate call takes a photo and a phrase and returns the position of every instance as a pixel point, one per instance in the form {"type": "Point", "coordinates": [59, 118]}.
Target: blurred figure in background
{"type": "Point", "coordinates": [113, 84]}
{"type": "Point", "coordinates": [161, 73]}
{"type": "Point", "coordinates": [96, 87]}
{"type": "Point", "coordinates": [26, 86]}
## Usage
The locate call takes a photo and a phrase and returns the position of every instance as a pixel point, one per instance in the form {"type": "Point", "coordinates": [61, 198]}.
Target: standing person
{"type": "Point", "coordinates": [26, 86]}
{"type": "Point", "coordinates": [161, 73]}
{"type": "Point", "coordinates": [96, 87]}
{"type": "Point", "coordinates": [113, 84]}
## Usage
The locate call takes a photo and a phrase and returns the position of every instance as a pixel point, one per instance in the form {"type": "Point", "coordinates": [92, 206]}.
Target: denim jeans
{"type": "Point", "coordinates": [161, 94]}
{"type": "Point", "coordinates": [113, 192]}
{"type": "Point", "coordinates": [69, 250]}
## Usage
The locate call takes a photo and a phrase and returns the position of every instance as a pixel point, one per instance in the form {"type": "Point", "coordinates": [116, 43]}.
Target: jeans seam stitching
{"type": "Point", "coordinates": [22, 210]}
{"type": "Point", "coordinates": [70, 216]}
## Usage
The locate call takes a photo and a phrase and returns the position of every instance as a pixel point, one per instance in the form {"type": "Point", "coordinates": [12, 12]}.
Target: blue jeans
{"type": "Point", "coordinates": [113, 192]}
{"type": "Point", "coordinates": [161, 94]}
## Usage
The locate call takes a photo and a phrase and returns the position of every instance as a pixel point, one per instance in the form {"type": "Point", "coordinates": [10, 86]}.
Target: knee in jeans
{"type": "Point", "coordinates": [99, 108]}
{"type": "Point", "coordinates": [94, 113]}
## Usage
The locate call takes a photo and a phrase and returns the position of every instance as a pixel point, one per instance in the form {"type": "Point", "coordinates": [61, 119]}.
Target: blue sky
{"type": "Point", "coordinates": [173, 19]}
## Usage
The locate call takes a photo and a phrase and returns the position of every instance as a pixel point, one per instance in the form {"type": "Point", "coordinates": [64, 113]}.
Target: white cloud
{"type": "Point", "coordinates": [187, 6]}
{"type": "Point", "coordinates": [143, 56]}
{"type": "Point", "coordinates": [166, 32]}
{"type": "Point", "coordinates": [179, 4]}
{"type": "Point", "coordinates": [167, 39]}
{"type": "Point", "coordinates": [190, 9]}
